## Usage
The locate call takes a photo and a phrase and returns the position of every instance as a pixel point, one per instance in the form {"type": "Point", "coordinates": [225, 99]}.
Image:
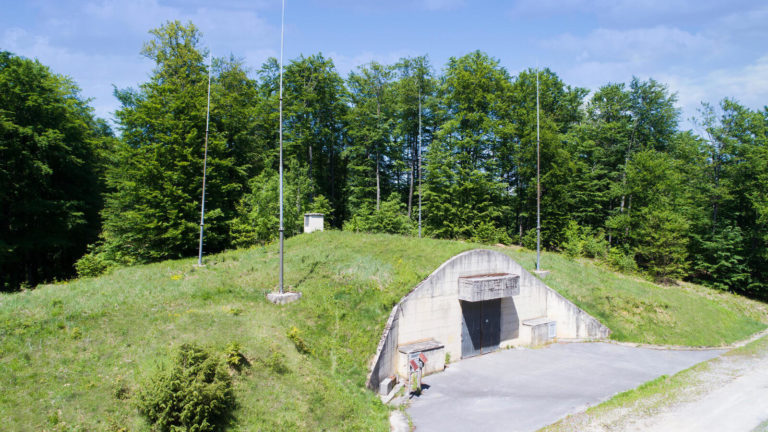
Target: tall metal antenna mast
{"type": "Point", "coordinates": [205, 167]}
{"type": "Point", "coordinates": [538, 179]}
{"type": "Point", "coordinates": [419, 156]}
{"type": "Point", "coordinates": [282, 37]}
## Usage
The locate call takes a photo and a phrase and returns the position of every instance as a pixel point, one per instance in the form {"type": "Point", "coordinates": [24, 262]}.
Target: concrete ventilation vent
{"type": "Point", "coordinates": [488, 287]}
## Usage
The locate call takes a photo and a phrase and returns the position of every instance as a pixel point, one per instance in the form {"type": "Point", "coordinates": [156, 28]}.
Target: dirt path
{"type": "Point", "coordinates": [729, 393]}
{"type": "Point", "coordinates": [739, 405]}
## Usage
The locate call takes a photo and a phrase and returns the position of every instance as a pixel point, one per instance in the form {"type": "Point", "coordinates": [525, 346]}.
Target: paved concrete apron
{"type": "Point", "coordinates": [526, 389]}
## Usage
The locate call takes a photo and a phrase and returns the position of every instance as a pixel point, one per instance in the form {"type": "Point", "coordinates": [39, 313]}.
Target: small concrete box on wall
{"type": "Point", "coordinates": [313, 222]}
{"type": "Point", "coordinates": [432, 350]}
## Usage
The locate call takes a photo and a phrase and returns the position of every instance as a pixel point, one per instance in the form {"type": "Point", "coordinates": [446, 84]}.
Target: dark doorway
{"type": "Point", "coordinates": [480, 327]}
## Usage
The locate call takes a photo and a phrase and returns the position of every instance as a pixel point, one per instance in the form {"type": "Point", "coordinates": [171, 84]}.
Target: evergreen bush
{"type": "Point", "coordinates": [390, 218]}
{"type": "Point", "coordinates": [194, 395]}
{"type": "Point", "coordinates": [622, 260]}
{"type": "Point", "coordinates": [529, 239]}
{"type": "Point", "coordinates": [91, 265]}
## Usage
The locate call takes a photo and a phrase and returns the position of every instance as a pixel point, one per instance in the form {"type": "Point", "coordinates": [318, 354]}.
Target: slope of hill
{"type": "Point", "coordinates": [72, 355]}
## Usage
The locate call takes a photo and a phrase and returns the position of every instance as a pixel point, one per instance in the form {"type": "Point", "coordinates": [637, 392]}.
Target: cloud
{"type": "Point", "coordinates": [747, 84]}
{"type": "Point", "coordinates": [435, 5]}
{"type": "Point", "coordinates": [698, 66]}
{"type": "Point", "coordinates": [641, 47]}
{"type": "Point", "coordinates": [346, 64]}
{"type": "Point", "coordinates": [95, 73]}
{"type": "Point", "coordinates": [98, 43]}
{"type": "Point", "coordinates": [633, 12]}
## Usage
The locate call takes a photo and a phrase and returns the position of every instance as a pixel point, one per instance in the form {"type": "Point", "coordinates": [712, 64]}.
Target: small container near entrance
{"type": "Point", "coordinates": [431, 350]}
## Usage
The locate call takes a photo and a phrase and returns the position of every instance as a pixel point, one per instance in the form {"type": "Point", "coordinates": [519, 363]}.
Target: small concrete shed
{"type": "Point", "coordinates": [474, 303]}
{"type": "Point", "coordinates": [313, 222]}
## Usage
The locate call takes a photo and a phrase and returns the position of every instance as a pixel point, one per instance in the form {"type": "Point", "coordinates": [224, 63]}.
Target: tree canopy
{"type": "Point", "coordinates": [620, 180]}
{"type": "Point", "coordinates": [50, 185]}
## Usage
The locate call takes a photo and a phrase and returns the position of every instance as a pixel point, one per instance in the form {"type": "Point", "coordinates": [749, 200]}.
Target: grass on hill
{"type": "Point", "coordinates": [73, 355]}
{"type": "Point", "coordinates": [637, 310]}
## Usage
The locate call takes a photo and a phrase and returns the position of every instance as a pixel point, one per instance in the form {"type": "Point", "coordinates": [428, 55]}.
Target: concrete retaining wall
{"type": "Point", "coordinates": [432, 310]}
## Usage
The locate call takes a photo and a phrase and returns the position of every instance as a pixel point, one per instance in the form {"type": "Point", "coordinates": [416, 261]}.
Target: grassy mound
{"type": "Point", "coordinates": [73, 355]}
{"type": "Point", "coordinates": [640, 311]}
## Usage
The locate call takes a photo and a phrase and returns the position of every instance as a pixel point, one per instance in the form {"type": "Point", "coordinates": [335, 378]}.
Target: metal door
{"type": "Point", "coordinates": [471, 329]}
{"type": "Point", "coordinates": [480, 327]}
{"type": "Point", "coordinates": [491, 313]}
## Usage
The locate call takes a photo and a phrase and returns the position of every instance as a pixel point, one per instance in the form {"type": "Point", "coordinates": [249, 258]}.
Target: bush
{"type": "Point", "coordinates": [583, 241]}
{"type": "Point", "coordinates": [321, 205]}
{"type": "Point", "coordinates": [194, 395]}
{"type": "Point", "coordinates": [91, 265]}
{"type": "Point", "coordinates": [622, 260]}
{"type": "Point", "coordinates": [390, 218]}
{"type": "Point", "coordinates": [573, 246]}
{"type": "Point", "coordinates": [294, 334]}
{"type": "Point", "coordinates": [529, 239]}
{"type": "Point", "coordinates": [488, 233]}
{"type": "Point", "coordinates": [234, 356]}
{"type": "Point", "coordinates": [596, 246]}
{"type": "Point", "coordinates": [276, 361]}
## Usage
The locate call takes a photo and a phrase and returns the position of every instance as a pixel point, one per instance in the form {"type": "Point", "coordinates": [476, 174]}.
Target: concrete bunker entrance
{"type": "Point", "coordinates": [473, 304]}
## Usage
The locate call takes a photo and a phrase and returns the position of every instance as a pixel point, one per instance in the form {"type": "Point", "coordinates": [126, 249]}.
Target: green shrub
{"type": "Point", "coordinates": [234, 356]}
{"type": "Point", "coordinates": [321, 205]}
{"type": "Point", "coordinates": [595, 245]}
{"type": "Point", "coordinates": [390, 218]}
{"type": "Point", "coordinates": [276, 362]}
{"type": "Point", "coordinates": [573, 245]}
{"type": "Point", "coordinates": [194, 395]}
{"type": "Point", "coordinates": [622, 260]}
{"type": "Point", "coordinates": [91, 265]}
{"type": "Point", "coordinates": [529, 239]}
{"type": "Point", "coordinates": [583, 241]}
{"type": "Point", "coordinates": [294, 334]}
{"type": "Point", "coordinates": [121, 391]}
{"type": "Point", "coordinates": [486, 232]}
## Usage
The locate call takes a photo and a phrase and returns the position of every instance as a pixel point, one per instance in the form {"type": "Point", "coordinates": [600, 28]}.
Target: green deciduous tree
{"type": "Point", "coordinates": [559, 113]}
{"type": "Point", "coordinates": [50, 147]}
{"type": "Point", "coordinates": [258, 218]}
{"type": "Point", "coordinates": [314, 130]}
{"type": "Point", "coordinates": [370, 153]}
{"type": "Point", "coordinates": [464, 189]}
{"type": "Point", "coordinates": [153, 211]}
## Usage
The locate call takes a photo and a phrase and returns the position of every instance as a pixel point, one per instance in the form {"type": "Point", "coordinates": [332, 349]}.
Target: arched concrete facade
{"type": "Point", "coordinates": [436, 310]}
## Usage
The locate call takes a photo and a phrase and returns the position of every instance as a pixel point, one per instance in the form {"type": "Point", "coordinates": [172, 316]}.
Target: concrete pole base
{"type": "Point", "coordinates": [284, 298]}
{"type": "Point", "coordinates": [541, 273]}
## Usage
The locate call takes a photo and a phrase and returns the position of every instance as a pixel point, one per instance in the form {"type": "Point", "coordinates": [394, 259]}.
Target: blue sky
{"type": "Point", "coordinates": [703, 49]}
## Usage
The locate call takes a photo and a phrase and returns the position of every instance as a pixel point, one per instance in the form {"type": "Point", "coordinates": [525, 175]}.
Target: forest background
{"type": "Point", "coordinates": [621, 180]}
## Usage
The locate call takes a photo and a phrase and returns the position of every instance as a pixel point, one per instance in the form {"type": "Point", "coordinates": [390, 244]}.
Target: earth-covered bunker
{"type": "Point", "coordinates": [476, 302]}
